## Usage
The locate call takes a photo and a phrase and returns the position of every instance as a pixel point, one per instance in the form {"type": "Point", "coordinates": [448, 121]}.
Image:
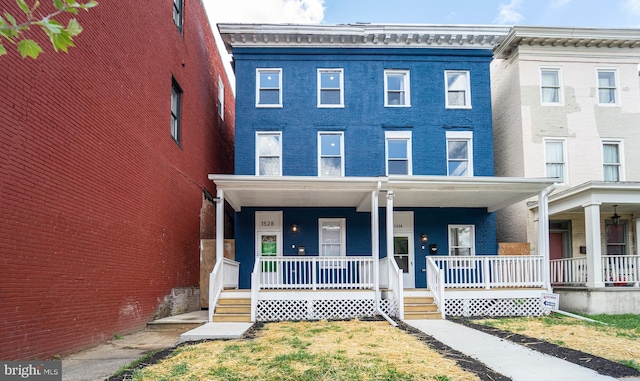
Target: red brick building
{"type": "Point", "coordinates": [102, 176]}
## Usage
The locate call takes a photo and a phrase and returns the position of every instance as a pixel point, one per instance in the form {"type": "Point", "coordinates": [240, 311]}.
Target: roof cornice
{"type": "Point", "coordinates": [362, 35]}
{"type": "Point", "coordinates": [567, 38]}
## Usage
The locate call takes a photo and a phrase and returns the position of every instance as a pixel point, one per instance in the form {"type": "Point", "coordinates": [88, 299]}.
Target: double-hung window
{"type": "Point", "coordinates": [396, 88]}
{"type": "Point", "coordinates": [398, 152]}
{"type": "Point", "coordinates": [269, 153]}
{"type": "Point", "coordinates": [555, 158]}
{"type": "Point", "coordinates": [616, 236]}
{"type": "Point", "coordinates": [178, 8]}
{"type": "Point", "coordinates": [607, 86]}
{"type": "Point", "coordinates": [330, 88]}
{"type": "Point", "coordinates": [268, 87]}
{"type": "Point", "coordinates": [220, 98]}
{"type": "Point", "coordinates": [330, 154]}
{"type": "Point", "coordinates": [176, 106]}
{"type": "Point", "coordinates": [459, 153]}
{"type": "Point", "coordinates": [462, 240]}
{"type": "Point", "coordinates": [612, 160]}
{"type": "Point", "coordinates": [458, 89]}
{"type": "Point", "coordinates": [332, 234]}
{"type": "Point", "coordinates": [550, 86]}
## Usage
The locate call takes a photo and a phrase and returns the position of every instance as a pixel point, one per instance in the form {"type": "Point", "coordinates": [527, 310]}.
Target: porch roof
{"type": "Point", "coordinates": [492, 193]}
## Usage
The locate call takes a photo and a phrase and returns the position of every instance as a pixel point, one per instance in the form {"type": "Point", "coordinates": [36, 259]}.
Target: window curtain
{"type": "Point", "coordinates": [611, 162]}
{"type": "Point", "coordinates": [555, 160]}
{"type": "Point", "coordinates": [550, 87]}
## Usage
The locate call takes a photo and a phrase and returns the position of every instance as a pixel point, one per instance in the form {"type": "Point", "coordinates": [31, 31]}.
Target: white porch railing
{"type": "Point", "coordinates": [491, 271]}
{"type": "Point", "coordinates": [391, 279]}
{"type": "Point", "coordinates": [621, 270]}
{"type": "Point", "coordinates": [313, 273]}
{"type": "Point", "coordinates": [225, 274]}
{"type": "Point", "coordinates": [568, 271]}
{"type": "Point", "coordinates": [435, 283]}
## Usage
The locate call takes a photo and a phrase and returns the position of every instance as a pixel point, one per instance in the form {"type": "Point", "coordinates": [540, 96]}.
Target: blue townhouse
{"type": "Point", "coordinates": [364, 177]}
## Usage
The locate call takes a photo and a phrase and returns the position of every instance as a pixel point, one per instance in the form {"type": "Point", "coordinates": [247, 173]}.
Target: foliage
{"type": "Point", "coordinates": [13, 28]}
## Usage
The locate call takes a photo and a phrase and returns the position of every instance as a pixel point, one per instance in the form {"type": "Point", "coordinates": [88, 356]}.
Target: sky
{"type": "Point", "coordinates": [564, 13]}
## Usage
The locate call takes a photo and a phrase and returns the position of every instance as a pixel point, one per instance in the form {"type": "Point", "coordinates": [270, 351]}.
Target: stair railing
{"type": "Point", "coordinates": [216, 285]}
{"type": "Point", "coordinates": [435, 283]}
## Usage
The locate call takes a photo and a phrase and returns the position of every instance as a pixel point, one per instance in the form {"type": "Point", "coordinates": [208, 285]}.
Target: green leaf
{"type": "Point", "coordinates": [51, 25]}
{"type": "Point", "coordinates": [88, 5]}
{"type": "Point", "coordinates": [3, 51]}
{"type": "Point", "coordinates": [74, 27]}
{"type": "Point", "coordinates": [23, 6]}
{"type": "Point", "coordinates": [72, 10]}
{"type": "Point", "coordinates": [61, 41]}
{"type": "Point", "coordinates": [58, 4]}
{"type": "Point", "coordinates": [10, 18]}
{"type": "Point", "coordinates": [29, 48]}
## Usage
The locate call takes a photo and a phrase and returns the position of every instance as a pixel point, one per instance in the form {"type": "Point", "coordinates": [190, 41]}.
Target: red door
{"type": "Point", "coordinates": [556, 246]}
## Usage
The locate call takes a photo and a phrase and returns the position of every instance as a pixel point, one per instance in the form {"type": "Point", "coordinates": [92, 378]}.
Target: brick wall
{"type": "Point", "coordinates": [99, 207]}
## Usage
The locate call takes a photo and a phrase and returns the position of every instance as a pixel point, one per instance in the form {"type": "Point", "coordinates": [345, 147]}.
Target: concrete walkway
{"type": "Point", "coordinates": [512, 360]}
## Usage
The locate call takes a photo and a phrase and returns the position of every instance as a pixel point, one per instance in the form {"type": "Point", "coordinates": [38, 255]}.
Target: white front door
{"type": "Point", "coordinates": [403, 246]}
{"type": "Point", "coordinates": [269, 244]}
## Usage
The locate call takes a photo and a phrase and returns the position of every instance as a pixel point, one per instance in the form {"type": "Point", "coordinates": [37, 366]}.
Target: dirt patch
{"type": "Point", "coordinates": [601, 365]}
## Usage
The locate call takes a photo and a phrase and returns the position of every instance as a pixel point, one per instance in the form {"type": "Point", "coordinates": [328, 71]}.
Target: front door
{"type": "Point", "coordinates": [269, 244]}
{"type": "Point", "coordinates": [403, 251]}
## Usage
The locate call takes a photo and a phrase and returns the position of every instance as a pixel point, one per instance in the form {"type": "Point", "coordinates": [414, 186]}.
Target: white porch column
{"type": "Point", "coordinates": [594, 244]}
{"type": "Point", "coordinates": [390, 197]}
{"type": "Point", "coordinates": [220, 227]}
{"type": "Point", "coordinates": [637, 236]}
{"type": "Point", "coordinates": [375, 242]}
{"type": "Point", "coordinates": [543, 235]}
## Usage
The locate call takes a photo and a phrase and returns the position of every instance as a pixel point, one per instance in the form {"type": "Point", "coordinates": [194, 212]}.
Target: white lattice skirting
{"type": "Point", "coordinates": [494, 307]}
{"type": "Point", "coordinates": [314, 309]}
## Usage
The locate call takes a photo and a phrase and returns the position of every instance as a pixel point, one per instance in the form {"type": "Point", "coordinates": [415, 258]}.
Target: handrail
{"type": "Point", "coordinates": [435, 283]}
{"type": "Point", "coordinates": [491, 271]}
{"type": "Point", "coordinates": [255, 289]}
{"type": "Point", "coordinates": [231, 270]}
{"type": "Point", "coordinates": [398, 290]}
{"type": "Point", "coordinates": [215, 288]}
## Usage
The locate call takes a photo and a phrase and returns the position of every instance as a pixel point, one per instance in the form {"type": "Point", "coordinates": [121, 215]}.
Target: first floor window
{"type": "Point", "coordinates": [330, 154]}
{"type": "Point", "coordinates": [398, 147]}
{"type": "Point", "coordinates": [555, 159]}
{"type": "Point", "coordinates": [330, 88]}
{"type": "Point", "coordinates": [616, 238]}
{"type": "Point", "coordinates": [176, 105]}
{"type": "Point", "coordinates": [461, 240]}
{"type": "Point", "coordinates": [607, 86]}
{"type": "Point", "coordinates": [459, 153]}
{"type": "Point", "coordinates": [611, 160]}
{"type": "Point", "coordinates": [332, 236]}
{"type": "Point", "coordinates": [269, 154]}
{"type": "Point", "coordinates": [458, 94]}
{"type": "Point", "coordinates": [269, 88]}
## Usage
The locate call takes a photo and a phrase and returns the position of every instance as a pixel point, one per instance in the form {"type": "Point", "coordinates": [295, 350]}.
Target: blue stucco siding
{"type": "Point", "coordinates": [364, 119]}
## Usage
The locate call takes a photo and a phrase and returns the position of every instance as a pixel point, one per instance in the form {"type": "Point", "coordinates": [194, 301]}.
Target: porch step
{"type": "Point", "coordinates": [233, 307]}
{"type": "Point", "coordinates": [422, 307]}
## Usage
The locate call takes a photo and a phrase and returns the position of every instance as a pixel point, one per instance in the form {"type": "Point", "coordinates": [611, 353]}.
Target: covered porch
{"type": "Point", "coordinates": [301, 281]}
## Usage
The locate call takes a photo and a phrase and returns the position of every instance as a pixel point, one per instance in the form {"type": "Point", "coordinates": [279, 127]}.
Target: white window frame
{"type": "Point", "coordinates": [565, 170]}
{"type": "Point", "coordinates": [320, 156]}
{"type": "Point", "coordinates": [220, 98]}
{"type": "Point", "coordinates": [621, 166]}
{"type": "Point", "coordinates": [467, 97]}
{"type": "Point", "coordinates": [342, 222]}
{"type": "Point", "coordinates": [560, 87]}
{"type": "Point", "coordinates": [329, 70]}
{"type": "Point", "coordinates": [466, 136]}
{"type": "Point", "coordinates": [178, 14]}
{"type": "Point", "coordinates": [407, 87]}
{"type": "Point", "coordinates": [258, 87]}
{"type": "Point", "coordinates": [472, 251]}
{"type": "Point", "coordinates": [258, 134]}
{"type": "Point", "coordinates": [398, 135]}
{"type": "Point", "coordinates": [616, 92]}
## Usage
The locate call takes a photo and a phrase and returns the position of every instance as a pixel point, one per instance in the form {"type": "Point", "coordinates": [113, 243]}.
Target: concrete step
{"type": "Point", "coordinates": [231, 317]}
{"type": "Point", "coordinates": [183, 322]}
{"type": "Point", "coordinates": [422, 315]}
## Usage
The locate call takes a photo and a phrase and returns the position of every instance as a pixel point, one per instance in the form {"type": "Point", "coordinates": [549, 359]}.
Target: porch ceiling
{"type": "Point", "coordinates": [492, 193]}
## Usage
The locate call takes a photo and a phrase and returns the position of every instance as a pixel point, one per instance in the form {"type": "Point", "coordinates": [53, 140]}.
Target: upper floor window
{"type": "Point", "coordinates": [220, 98]}
{"type": "Point", "coordinates": [330, 88]}
{"type": "Point", "coordinates": [268, 87]}
{"type": "Point", "coordinates": [612, 160]}
{"type": "Point", "coordinates": [458, 89]}
{"type": "Point", "coordinates": [330, 154]}
{"type": "Point", "coordinates": [178, 7]}
{"type": "Point", "coordinates": [269, 153]}
{"type": "Point", "coordinates": [398, 147]}
{"type": "Point", "coordinates": [550, 86]}
{"type": "Point", "coordinates": [555, 158]}
{"type": "Point", "coordinates": [459, 153]}
{"type": "Point", "coordinates": [396, 88]}
{"type": "Point", "coordinates": [607, 86]}
{"type": "Point", "coordinates": [176, 106]}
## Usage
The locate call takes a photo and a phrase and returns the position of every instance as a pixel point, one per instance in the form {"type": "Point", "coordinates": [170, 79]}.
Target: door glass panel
{"type": "Point", "coordinates": [268, 248]}
{"type": "Point", "coordinates": [401, 252]}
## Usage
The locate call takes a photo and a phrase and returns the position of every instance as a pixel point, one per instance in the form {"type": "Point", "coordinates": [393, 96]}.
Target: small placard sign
{"type": "Point", "coordinates": [550, 302]}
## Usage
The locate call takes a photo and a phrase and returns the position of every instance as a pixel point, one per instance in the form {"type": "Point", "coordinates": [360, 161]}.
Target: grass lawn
{"type": "Point", "coordinates": [618, 341]}
{"type": "Point", "coordinates": [314, 351]}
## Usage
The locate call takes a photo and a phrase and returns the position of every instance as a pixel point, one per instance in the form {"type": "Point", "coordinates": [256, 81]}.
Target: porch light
{"type": "Point", "coordinates": [294, 228]}
{"type": "Point", "coordinates": [615, 218]}
{"type": "Point", "coordinates": [424, 238]}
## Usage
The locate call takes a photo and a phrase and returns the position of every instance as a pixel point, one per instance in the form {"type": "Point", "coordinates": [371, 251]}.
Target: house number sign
{"type": "Point", "coordinates": [269, 221]}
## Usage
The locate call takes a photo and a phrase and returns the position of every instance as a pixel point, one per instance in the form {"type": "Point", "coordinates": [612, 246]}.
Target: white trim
{"type": "Point", "coordinates": [339, 133]}
{"type": "Point", "coordinates": [558, 71]}
{"type": "Point", "coordinates": [319, 88]}
{"type": "Point", "coordinates": [257, 137]}
{"type": "Point", "coordinates": [565, 178]}
{"type": "Point", "coordinates": [402, 231]}
{"type": "Point", "coordinates": [258, 87]}
{"type": "Point", "coordinates": [616, 89]}
{"type": "Point", "coordinates": [467, 95]}
{"type": "Point", "coordinates": [472, 251]}
{"type": "Point", "coordinates": [220, 98]}
{"type": "Point", "coordinates": [621, 167]}
{"type": "Point", "coordinates": [461, 136]}
{"type": "Point", "coordinates": [398, 135]}
{"type": "Point", "coordinates": [407, 87]}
